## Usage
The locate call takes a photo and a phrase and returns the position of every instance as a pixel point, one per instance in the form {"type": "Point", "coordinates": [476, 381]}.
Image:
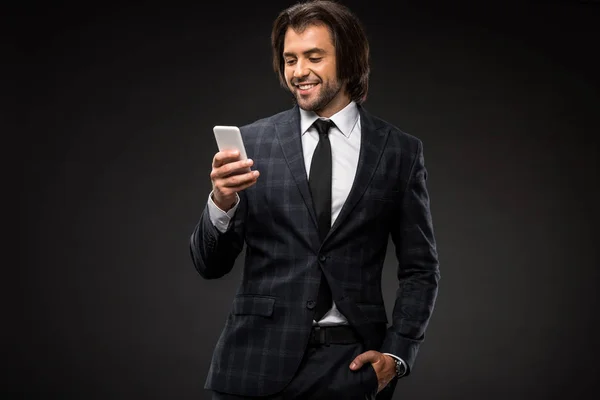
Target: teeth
{"type": "Point", "coordinates": [305, 87]}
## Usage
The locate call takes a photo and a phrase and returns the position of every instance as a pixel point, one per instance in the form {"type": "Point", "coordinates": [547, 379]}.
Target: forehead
{"type": "Point", "coordinates": [313, 36]}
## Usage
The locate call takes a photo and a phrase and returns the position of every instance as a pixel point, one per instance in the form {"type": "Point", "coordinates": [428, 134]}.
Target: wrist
{"type": "Point", "coordinates": [225, 204]}
{"type": "Point", "coordinates": [398, 365]}
{"type": "Point", "coordinates": [400, 368]}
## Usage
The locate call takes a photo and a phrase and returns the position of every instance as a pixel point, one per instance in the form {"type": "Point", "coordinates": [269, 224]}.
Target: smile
{"type": "Point", "coordinates": [306, 86]}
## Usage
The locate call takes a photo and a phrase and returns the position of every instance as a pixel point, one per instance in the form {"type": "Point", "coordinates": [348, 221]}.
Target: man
{"type": "Point", "coordinates": [315, 213]}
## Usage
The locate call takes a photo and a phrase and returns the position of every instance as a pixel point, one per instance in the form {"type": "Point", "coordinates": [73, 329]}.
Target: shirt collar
{"type": "Point", "coordinates": [344, 120]}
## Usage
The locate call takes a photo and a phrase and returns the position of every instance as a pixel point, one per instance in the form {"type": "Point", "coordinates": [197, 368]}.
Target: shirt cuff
{"type": "Point", "coordinates": [399, 359]}
{"type": "Point", "coordinates": [219, 218]}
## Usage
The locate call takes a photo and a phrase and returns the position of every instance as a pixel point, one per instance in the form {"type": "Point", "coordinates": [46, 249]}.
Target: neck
{"type": "Point", "coordinates": [334, 106]}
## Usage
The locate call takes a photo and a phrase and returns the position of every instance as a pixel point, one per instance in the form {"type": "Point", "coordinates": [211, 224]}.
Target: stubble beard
{"type": "Point", "coordinates": [327, 93]}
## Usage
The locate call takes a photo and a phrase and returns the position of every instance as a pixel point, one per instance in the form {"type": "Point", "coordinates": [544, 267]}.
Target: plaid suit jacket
{"type": "Point", "coordinates": [267, 330]}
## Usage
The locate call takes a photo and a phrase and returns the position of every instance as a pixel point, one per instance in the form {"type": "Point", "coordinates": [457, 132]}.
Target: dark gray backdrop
{"type": "Point", "coordinates": [118, 103]}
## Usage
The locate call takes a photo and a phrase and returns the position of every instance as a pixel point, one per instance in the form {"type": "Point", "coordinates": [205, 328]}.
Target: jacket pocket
{"type": "Point", "coordinates": [373, 312]}
{"type": "Point", "coordinates": [253, 305]}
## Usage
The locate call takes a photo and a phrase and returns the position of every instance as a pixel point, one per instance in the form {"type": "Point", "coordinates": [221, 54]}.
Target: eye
{"type": "Point", "coordinates": [315, 59]}
{"type": "Point", "coordinates": [290, 61]}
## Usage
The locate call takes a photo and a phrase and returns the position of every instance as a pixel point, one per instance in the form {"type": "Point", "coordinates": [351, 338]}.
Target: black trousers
{"type": "Point", "coordinates": [325, 374]}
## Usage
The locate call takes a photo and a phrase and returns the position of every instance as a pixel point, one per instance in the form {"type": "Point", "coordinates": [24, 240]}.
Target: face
{"type": "Point", "coordinates": [311, 71]}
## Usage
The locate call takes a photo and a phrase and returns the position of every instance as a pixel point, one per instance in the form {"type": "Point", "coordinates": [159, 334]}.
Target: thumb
{"type": "Point", "coordinates": [361, 359]}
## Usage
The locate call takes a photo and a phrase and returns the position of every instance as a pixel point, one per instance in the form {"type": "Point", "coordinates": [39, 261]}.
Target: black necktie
{"type": "Point", "coordinates": [320, 189]}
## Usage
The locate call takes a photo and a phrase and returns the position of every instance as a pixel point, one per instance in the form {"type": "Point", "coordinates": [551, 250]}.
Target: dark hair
{"type": "Point", "coordinates": [349, 39]}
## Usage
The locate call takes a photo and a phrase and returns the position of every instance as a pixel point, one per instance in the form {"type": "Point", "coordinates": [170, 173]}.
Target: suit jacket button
{"type": "Point", "coordinates": [322, 258]}
{"type": "Point", "coordinates": [311, 304]}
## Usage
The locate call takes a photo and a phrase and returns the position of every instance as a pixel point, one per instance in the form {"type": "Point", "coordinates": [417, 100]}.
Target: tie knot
{"type": "Point", "coordinates": [323, 126]}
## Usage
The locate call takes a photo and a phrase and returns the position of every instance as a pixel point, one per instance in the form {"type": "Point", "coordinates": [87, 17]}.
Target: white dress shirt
{"type": "Point", "coordinates": [345, 148]}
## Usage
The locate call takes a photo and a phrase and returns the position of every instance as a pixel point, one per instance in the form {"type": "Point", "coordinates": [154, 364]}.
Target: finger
{"type": "Point", "coordinates": [236, 181]}
{"type": "Point", "coordinates": [236, 167]}
{"type": "Point", "coordinates": [231, 168]}
{"type": "Point", "coordinates": [361, 359]}
{"type": "Point", "coordinates": [245, 186]}
{"type": "Point", "coordinates": [224, 157]}
{"type": "Point", "coordinates": [229, 190]}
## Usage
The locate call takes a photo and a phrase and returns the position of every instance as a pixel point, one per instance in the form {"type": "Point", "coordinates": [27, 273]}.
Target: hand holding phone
{"type": "Point", "coordinates": [230, 174]}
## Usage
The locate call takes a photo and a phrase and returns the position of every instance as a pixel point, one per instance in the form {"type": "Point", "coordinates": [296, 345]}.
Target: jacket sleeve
{"type": "Point", "coordinates": [214, 253]}
{"type": "Point", "coordinates": [418, 268]}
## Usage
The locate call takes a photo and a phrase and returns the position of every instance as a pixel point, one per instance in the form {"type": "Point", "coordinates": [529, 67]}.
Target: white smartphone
{"type": "Point", "coordinates": [230, 138]}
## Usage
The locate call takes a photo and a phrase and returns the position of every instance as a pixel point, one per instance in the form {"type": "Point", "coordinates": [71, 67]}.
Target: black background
{"type": "Point", "coordinates": [111, 170]}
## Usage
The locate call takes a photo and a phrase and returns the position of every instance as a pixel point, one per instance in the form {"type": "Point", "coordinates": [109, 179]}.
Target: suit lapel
{"type": "Point", "coordinates": [373, 139]}
{"type": "Point", "coordinates": [372, 142]}
{"type": "Point", "coordinates": [288, 132]}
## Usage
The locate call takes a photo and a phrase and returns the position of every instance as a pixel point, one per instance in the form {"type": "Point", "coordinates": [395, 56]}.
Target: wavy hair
{"type": "Point", "coordinates": [348, 35]}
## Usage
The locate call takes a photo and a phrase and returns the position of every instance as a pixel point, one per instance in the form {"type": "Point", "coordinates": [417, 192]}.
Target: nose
{"type": "Point", "coordinates": [301, 69]}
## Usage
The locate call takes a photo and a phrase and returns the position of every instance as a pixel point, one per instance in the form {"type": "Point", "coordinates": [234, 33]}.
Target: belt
{"type": "Point", "coordinates": [326, 335]}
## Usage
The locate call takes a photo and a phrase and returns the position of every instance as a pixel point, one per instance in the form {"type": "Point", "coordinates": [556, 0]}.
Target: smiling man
{"type": "Point", "coordinates": [330, 184]}
{"type": "Point", "coordinates": [310, 70]}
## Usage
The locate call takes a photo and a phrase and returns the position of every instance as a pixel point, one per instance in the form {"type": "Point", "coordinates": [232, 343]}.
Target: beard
{"type": "Point", "coordinates": [328, 91]}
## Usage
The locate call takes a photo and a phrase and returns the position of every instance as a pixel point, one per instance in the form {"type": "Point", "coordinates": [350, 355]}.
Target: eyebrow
{"type": "Point", "coordinates": [307, 52]}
